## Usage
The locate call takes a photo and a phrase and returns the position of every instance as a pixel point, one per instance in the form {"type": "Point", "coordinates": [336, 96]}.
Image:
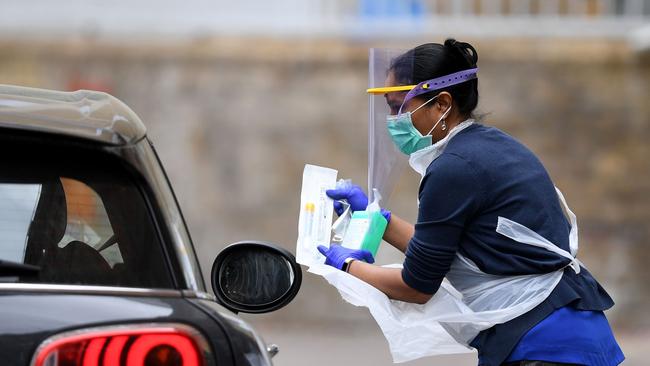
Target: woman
{"type": "Point", "coordinates": [483, 196]}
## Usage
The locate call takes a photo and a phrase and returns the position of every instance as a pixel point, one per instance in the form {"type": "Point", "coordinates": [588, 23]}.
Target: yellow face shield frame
{"type": "Point", "coordinates": [390, 89]}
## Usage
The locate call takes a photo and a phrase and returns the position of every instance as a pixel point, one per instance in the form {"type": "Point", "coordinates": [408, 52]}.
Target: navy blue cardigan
{"type": "Point", "coordinates": [484, 173]}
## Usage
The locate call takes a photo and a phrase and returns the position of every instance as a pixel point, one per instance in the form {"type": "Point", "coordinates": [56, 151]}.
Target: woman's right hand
{"type": "Point", "coordinates": [350, 192]}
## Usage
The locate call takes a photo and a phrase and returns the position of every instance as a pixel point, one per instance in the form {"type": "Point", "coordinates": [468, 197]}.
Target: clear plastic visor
{"type": "Point", "coordinates": [385, 161]}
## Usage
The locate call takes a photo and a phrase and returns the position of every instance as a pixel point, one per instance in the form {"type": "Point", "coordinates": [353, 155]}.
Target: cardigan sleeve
{"type": "Point", "coordinates": [450, 195]}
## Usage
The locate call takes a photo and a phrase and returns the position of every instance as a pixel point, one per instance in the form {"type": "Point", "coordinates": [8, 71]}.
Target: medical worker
{"type": "Point", "coordinates": [487, 209]}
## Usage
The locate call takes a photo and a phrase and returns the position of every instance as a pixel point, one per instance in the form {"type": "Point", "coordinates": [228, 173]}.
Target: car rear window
{"type": "Point", "coordinates": [79, 217]}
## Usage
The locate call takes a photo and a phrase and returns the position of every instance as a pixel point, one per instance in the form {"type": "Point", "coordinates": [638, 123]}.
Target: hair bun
{"type": "Point", "coordinates": [465, 49]}
{"type": "Point", "coordinates": [450, 42]}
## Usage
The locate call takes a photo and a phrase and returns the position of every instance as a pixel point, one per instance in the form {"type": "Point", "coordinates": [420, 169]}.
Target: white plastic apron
{"type": "Point", "coordinates": [468, 301]}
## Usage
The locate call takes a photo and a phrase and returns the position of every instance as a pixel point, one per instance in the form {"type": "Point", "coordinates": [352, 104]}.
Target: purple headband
{"type": "Point", "coordinates": [441, 82]}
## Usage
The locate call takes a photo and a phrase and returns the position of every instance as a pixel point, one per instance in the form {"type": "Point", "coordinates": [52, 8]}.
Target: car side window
{"type": "Point", "coordinates": [17, 208]}
{"type": "Point", "coordinates": [81, 219]}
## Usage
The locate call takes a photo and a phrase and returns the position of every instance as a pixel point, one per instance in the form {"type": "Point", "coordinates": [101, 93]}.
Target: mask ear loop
{"type": "Point", "coordinates": [415, 110]}
{"type": "Point", "coordinates": [444, 115]}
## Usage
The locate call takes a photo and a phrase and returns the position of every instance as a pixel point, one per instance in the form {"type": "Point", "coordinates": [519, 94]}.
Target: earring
{"type": "Point", "coordinates": [444, 125]}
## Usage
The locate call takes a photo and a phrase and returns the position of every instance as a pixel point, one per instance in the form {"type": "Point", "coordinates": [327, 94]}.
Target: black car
{"type": "Point", "coordinates": [96, 264]}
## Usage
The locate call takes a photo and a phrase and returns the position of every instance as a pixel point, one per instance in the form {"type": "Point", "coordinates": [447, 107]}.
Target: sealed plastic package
{"type": "Point", "coordinates": [316, 211]}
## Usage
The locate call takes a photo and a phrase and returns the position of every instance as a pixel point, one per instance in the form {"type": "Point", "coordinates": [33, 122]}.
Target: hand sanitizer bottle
{"type": "Point", "coordinates": [366, 228]}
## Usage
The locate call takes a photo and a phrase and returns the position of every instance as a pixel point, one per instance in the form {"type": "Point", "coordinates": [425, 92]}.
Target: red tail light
{"type": "Point", "coordinates": [128, 345]}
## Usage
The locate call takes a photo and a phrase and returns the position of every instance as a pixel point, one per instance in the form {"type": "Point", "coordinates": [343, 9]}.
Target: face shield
{"type": "Point", "coordinates": [390, 88]}
{"type": "Point", "coordinates": [385, 162]}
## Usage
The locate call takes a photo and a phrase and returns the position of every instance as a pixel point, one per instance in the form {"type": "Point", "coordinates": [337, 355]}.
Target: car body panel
{"type": "Point", "coordinates": [28, 318]}
{"type": "Point", "coordinates": [248, 344]}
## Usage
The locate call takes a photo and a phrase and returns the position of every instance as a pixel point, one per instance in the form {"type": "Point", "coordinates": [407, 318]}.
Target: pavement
{"type": "Point", "coordinates": [362, 343]}
{"type": "Point", "coordinates": [342, 344]}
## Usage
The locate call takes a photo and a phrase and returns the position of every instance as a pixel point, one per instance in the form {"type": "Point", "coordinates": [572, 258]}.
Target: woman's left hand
{"type": "Point", "coordinates": [336, 255]}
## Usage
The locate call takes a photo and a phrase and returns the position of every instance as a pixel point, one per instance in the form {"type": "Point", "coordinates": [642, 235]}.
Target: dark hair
{"type": "Point", "coordinates": [432, 60]}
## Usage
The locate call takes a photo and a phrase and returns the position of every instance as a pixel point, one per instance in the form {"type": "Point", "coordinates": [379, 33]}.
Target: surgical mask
{"type": "Point", "coordinates": [404, 134]}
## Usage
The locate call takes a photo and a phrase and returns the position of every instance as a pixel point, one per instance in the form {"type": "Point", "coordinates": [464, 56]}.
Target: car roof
{"type": "Point", "coordinates": [85, 114]}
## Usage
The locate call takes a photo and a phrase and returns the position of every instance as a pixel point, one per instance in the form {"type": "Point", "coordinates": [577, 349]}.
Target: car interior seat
{"type": "Point", "coordinates": [76, 262]}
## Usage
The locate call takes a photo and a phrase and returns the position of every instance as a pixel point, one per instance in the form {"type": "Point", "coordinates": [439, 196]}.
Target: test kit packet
{"type": "Point", "coordinates": [316, 211]}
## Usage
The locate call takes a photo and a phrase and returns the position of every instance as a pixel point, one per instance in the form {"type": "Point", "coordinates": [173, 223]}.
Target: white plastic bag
{"type": "Point", "coordinates": [408, 328]}
{"type": "Point", "coordinates": [445, 324]}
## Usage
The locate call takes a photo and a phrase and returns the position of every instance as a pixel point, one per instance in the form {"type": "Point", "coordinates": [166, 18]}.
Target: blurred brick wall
{"type": "Point", "coordinates": [236, 120]}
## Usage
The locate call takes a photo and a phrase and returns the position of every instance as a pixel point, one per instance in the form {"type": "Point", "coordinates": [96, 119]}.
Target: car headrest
{"type": "Point", "coordinates": [50, 220]}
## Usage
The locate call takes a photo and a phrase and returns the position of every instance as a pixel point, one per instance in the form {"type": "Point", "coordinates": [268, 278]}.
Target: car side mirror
{"type": "Point", "coordinates": [255, 277]}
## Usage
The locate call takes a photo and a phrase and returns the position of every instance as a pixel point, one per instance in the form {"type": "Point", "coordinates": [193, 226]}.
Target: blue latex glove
{"type": "Point", "coordinates": [356, 198]}
{"type": "Point", "coordinates": [336, 255]}
{"type": "Point", "coordinates": [353, 194]}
